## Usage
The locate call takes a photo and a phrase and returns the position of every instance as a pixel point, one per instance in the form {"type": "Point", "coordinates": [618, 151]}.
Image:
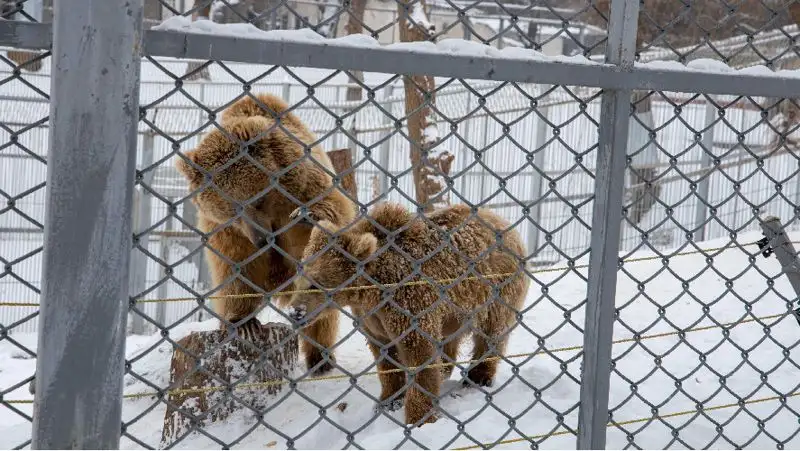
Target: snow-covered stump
{"type": "Point", "coordinates": [255, 370]}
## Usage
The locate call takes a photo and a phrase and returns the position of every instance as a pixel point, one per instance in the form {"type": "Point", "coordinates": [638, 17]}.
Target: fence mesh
{"type": "Point", "coordinates": [704, 347]}
{"type": "Point", "coordinates": [22, 187]}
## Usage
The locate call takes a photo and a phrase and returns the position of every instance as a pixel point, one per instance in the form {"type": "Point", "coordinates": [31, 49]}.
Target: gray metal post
{"type": "Point", "coordinates": [782, 246]}
{"type": "Point", "coordinates": [94, 109]}
{"type": "Point", "coordinates": [287, 92]}
{"type": "Point", "coordinates": [482, 188]}
{"type": "Point", "coordinates": [606, 225]}
{"type": "Point", "coordinates": [141, 221]}
{"type": "Point", "coordinates": [467, 154]}
{"type": "Point", "coordinates": [383, 158]}
{"type": "Point", "coordinates": [500, 34]}
{"type": "Point", "coordinates": [163, 289]}
{"type": "Point", "coordinates": [701, 212]}
{"type": "Point", "coordinates": [535, 212]}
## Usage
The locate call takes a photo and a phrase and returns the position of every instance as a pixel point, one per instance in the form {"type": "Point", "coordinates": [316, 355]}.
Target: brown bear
{"type": "Point", "coordinates": [261, 169]}
{"type": "Point", "coordinates": [393, 246]}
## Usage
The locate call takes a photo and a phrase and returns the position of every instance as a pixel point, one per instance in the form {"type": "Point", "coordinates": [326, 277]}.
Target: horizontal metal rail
{"type": "Point", "coordinates": [397, 60]}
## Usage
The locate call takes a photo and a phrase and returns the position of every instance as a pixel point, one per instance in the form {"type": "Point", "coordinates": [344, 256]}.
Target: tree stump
{"type": "Point", "coordinates": [198, 393]}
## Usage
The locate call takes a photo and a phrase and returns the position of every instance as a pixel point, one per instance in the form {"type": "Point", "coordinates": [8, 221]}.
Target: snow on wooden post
{"type": "Point", "coordinates": [213, 374]}
{"type": "Point", "coordinates": [327, 24]}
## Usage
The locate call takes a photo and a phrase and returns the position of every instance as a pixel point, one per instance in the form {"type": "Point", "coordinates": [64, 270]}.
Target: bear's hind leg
{"type": "Point", "coordinates": [489, 344]}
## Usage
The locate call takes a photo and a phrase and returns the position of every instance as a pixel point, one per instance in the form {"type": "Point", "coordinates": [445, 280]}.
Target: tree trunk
{"type": "Point", "coordinates": [427, 166]}
{"type": "Point", "coordinates": [193, 69]}
{"type": "Point", "coordinates": [354, 25]}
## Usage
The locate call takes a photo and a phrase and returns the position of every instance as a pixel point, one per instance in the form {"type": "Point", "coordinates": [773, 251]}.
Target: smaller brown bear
{"type": "Point", "coordinates": [416, 324]}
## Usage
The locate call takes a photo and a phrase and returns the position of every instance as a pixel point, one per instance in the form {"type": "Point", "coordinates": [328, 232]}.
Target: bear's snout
{"type": "Point", "coordinates": [298, 313]}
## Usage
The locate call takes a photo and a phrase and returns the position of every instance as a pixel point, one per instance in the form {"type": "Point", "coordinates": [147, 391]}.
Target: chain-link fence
{"type": "Point", "coordinates": [519, 241]}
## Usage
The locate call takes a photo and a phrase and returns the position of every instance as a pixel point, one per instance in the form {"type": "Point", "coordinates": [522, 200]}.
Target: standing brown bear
{"type": "Point", "coordinates": [259, 170]}
{"type": "Point", "coordinates": [415, 323]}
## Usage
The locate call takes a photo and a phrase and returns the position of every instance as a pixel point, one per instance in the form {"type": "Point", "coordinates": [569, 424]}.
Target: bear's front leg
{"type": "Point", "coordinates": [318, 340]}
{"type": "Point", "coordinates": [334, 207]}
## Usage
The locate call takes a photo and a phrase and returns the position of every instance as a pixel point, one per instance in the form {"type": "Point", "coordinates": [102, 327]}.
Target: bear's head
{"type": "Point", "coordinates": [222, 179]}
{"type": "Point", "coordinates": [330, 262]}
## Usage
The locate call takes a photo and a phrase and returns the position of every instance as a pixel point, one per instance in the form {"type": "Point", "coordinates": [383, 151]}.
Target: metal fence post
{"type": "Point", "coordinates": [701, 213]}
{"type": "Point", "coordinates": [287, 92]}
{"type": "Point", "coordinates": [778, 242]}
{"type": "Point", "coordinates": [606, 226]}
{"type": "Point", "coordinates": [94, 109]}
{"type": "Point", "coordinates": [535, 212]}
{"type": "Point", "coordinates": [142, 218]}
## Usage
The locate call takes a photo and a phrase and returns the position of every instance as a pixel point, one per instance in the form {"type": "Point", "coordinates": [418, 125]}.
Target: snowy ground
{"type": "Point", "coordinates": [516, 395]}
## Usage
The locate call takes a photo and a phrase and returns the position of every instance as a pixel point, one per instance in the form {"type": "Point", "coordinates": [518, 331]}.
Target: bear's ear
{"type": "Point", "coordinates": [361, 245]}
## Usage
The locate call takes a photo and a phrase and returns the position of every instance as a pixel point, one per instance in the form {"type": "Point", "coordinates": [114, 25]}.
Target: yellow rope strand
{"type": "Point", "coordinates": [436, 365]}
{"type": "Point", "coordinates": [634, 421]}
{"type": "Point", "coordinates": [404, 284]}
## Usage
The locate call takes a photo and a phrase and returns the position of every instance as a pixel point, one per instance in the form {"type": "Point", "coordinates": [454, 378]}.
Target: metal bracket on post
{"type": "Point", "coordinates": [606, 227]}
{"type": "Point", "coordinates": [535, 213]}
{"type": "Point", "coordinates": [776, 241]}
{"type": "Point", "coordinates": [94, 111]}
{"type": "Point", "coordinates": [385, 149]}
{"type": "Point", "coordinates": [707, 142]}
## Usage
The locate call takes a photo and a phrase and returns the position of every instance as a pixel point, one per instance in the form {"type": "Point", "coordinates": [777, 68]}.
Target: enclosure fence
{"type": "Point", "coordinates": [190, 263]}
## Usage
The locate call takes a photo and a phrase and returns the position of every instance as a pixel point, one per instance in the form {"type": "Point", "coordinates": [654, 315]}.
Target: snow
{"type": "Point", "coordinates": [545, 383]}
{"type": "Point", "coordinates": [714, 66]}
{"type": "Point", "coordinates": [430, 134]}
{"type": "Point", "coordinates": [708, 65]}
{"type": "Point", "coordinates": [328, 14]}
{"type": "Point", "coordinates": [450, 46]}
{"type": "Point", "coordinates": [418, 18]}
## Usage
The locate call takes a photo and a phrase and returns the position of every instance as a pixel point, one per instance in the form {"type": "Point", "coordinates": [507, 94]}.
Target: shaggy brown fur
{"type": "Point", "coordinates": [473, 239]}
{"type": "Point", "coordinates": [236, 263]}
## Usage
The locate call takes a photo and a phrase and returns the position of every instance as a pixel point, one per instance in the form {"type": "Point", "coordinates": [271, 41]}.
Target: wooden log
{"type": "Point", "coordinates": [198, 389]}
{"type": "Point", "coordinates": [28, 61]}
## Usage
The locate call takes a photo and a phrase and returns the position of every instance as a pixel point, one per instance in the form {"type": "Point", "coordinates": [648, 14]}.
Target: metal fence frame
{"type": "Point", "coordinates": [93, 125]}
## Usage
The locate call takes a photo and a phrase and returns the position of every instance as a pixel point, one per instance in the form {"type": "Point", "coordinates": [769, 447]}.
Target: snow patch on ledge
{"type": "Point", "coordinates": [449, 46]}
{"type": "Point", "coordinates": [307, 35]}
{"type": "Point", "coordinates": [715, 66]}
